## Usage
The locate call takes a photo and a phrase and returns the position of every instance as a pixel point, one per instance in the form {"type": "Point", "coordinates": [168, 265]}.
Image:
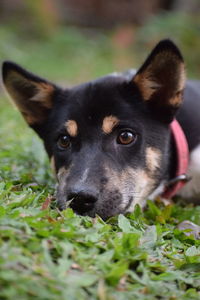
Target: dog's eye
{"type": "Point", "coordinates": [63, 142]}
{"type": "Point", "coordinates": [126, 137]}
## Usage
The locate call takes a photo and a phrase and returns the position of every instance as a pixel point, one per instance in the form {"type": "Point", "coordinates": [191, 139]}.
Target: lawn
{"type": "Point", "coordinates": [47, 254]}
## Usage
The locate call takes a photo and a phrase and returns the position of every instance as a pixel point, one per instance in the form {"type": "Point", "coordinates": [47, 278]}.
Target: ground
{"type": "Point", "coordinates": [47, 254]}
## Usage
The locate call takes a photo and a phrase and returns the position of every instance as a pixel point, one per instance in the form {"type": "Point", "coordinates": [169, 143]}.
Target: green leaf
{"type": "Point", "coordinates": [124, 224]}
{"type": "Point", "coordinates": [2, 211]}
{"type": "Point", "coordinates": [149, 237]}
{"type": "Point", "coordinates": [192, 251]}
{"type": "Point", "coordinates": [117, 271]}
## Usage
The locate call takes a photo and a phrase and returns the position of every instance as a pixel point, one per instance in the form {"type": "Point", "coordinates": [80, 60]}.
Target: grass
{"type": "Point", "coordinates": [46, 254]}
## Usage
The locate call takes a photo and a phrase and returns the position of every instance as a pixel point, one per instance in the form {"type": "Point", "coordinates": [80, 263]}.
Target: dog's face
{"type": "Point", "coordinates": [108, 140]}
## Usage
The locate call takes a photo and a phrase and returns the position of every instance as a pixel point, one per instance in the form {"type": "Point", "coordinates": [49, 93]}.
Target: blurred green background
{"type": "Point", "coordinates": [71, 41]}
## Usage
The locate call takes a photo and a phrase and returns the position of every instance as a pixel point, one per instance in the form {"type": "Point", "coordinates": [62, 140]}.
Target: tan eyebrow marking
{"type": "Point", "coordinates": [72, 127]}
{"type": "Point", "coordinates": [109, 123]}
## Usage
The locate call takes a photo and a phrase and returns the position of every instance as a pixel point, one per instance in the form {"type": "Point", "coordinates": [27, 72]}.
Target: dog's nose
{"type": "Point", "coordinates": [82, 201]}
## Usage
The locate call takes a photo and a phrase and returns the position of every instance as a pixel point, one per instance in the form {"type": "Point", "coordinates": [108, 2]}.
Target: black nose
{"type": "Point", "coordinates": [82, 201]}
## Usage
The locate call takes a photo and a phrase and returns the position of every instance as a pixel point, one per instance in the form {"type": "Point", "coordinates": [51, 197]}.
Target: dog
{"type": "Point", "coordinates": [110, 140]}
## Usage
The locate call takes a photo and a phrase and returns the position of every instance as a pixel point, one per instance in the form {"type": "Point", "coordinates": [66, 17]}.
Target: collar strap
{"type": "Point", "coordinates": [182, 157]}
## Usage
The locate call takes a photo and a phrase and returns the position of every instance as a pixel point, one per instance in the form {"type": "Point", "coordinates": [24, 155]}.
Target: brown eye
{"type": "Point", "coordinates": [63, 141]}
{"type": "Point", "coordinates": [126, 137]}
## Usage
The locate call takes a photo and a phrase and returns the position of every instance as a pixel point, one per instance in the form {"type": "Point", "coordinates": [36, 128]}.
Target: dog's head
{"type": "Point", "coordinates": [108, 139]}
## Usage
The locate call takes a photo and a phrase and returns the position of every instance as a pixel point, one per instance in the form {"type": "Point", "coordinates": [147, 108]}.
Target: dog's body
{"type": "Point", "coordinates": [109, 140]}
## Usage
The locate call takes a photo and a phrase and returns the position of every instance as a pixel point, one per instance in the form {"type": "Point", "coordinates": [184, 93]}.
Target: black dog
{"type": "Point", "coordinates": [110, 139]}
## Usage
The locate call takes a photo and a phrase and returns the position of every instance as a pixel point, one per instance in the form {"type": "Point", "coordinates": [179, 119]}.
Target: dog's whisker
{"type": "Point", "coordinates": [69, 202]}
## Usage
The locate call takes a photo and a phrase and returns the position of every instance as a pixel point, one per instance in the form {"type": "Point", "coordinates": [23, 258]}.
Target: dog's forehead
{"type": "Point", "coordinates": [106, 90]}
{"type": "Point", "coordinates": [95, 100]}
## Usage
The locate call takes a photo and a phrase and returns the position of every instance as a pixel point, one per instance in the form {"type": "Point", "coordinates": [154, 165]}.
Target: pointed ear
{"type": "Point", "coordinates": [32, 95]}
{"type": "Point", "coordinates": [161, 80]}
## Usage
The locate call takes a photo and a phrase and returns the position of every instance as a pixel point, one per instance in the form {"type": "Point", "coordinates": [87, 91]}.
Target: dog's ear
{"type": "Point", "coordinates": [32, 95]}
{"type": "Point", "coordinates": [161, 80]}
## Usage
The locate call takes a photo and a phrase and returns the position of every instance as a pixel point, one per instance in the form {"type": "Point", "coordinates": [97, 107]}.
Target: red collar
{"type": "Point", "coordinates": [182, 155]}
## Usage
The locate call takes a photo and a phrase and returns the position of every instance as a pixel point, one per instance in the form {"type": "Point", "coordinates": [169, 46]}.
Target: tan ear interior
{"type": "Point", "coordinates": [32, 98]}
{"type": "Point", "coordinates": [146, 84]}
{"type": "Point", "coordinates": [165, 72]}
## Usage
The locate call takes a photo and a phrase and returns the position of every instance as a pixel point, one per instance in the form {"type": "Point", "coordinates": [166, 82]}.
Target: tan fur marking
{"type": "Point", "coordinates": [62, 172]}
{"type": "Point", "coordinates": [44, 94]}
{"type": "Point", "coordinates": [153, 157]}
{"type": "Point", "coordinates": [109, 123]}
{"type": "Point", "coordinates": [148, 83]}
{"type": "Point", "coordinates": [29, 118]}
{"type": "Point", "coordinates": [72, 127]}
{"type": "Point", "coordinates": [121, 180]}
{"type": "Point", "coordinates": [176, 100]}
{"type": "Point", "coordinates": [136, 183]}
{"type": "Point", "coordinates": [62, 176]}
{"type": "Point", "coordinates": [53, 166]}
{"type": "Point", "coordinates": [182, 79]}
{"type": "Point", "coordinates": [144, 185]}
